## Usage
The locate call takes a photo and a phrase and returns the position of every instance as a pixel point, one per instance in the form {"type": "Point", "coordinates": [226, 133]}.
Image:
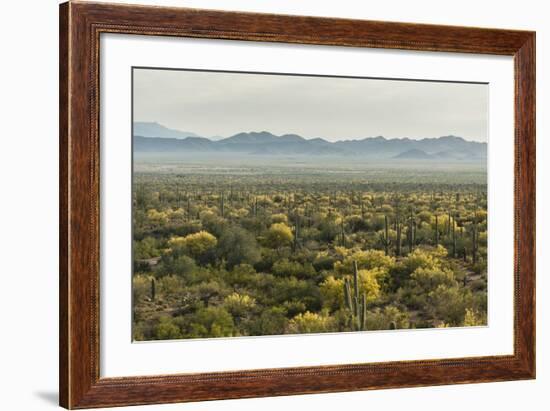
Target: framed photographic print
{"type": "Point", "coordinates": [257, 205]}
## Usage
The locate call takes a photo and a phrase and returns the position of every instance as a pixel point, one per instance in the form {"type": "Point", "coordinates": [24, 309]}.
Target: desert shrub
{"type": "Point", "coordinates": [332, 293]}
{"type": "Point", "coordinates": [294, 307]}
{"type": "Point", "coordinates": [214, 224]}
{"type": "Point", "coordinates": [480, 267]}
{"type": "Point", "coordinates": [239, 304]}
{"type": "Point", "coordinates": [390, 317]}
{"type": "Point", "coordinates": [368, 284]}
{"type": "Point", "coordinates": [291, 288]}
{"type": "Point", "coordinates": [271, 321]}
{"type": "Point", "coordinates": [212, 322]}
{"type": "Point", "coordinates": [418, 291]}
{"type": "Point", "coordinates": [309, 322]}
{"type": "Point", "coordinates": [279, 218]}
{"type": "Point", "coordinates": [473, 318]}
{"type": "Point", "coordinates": [195, 244]}
{"type": "Point", "coordinates": [479, 302]}
{"type": "Point", "coordinates": [167, 330]}
{"type": "Point", "coordinates": [323, 261]}
{"type": "Point", "coordinates": [242, 275]}
{"type": "Point", "coordinates": [141, 287]}
{"type": "Point", "coordinates": [170, 285]}
{"type": "Point", "coordinates": [356, 223]}
{"type": "Point", "coordinates": [370, 259]}
{"type": "Point", "coordinates": [424, 216]}
{"type": "Point", "coordinates": [211, 290]}
{"type": "Point", "coordinates": [146, 248]}
{"type": "Point", "coordinates": [286, 268]}
{"type": "Point", "coordinates": [450, 303]}
{"type": "Point", "coordinates": [279, 235]}
{"type": "Point", "coordinates": [377, 222]}
{"type": "Point", "coordinates": [419, 259]}
{"type": "Point", "coordinates": [180, 265]}
{"type": "Point", "coordinates": [186, 228]}
{"type": "Point", "coordinates": [427, 279]}
{"type": "Point", "coordinates": [478, 285]}
{"type": "Point", "coordinates": [238, 246]}
{"type": "Point", "coordinates": [252, 224]}
{"type": "Point", "coordinates": [328, 230]}
{"type": "Point", "coordinates": [157, 217]}
{"type": "Point", "coordinates": [138, 331]}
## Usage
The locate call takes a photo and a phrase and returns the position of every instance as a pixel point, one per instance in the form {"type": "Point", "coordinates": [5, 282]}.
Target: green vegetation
{"type": "Point", "coordinates": [264, 251]}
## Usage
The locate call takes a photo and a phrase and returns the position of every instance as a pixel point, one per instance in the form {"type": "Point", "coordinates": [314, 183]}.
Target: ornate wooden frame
{"type": "Point", "coordinates": [80, 27]}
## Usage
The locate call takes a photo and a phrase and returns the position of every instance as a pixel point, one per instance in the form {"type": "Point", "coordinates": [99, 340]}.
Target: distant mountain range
{"type": "Point", "coordinates": [446, 148]}
{"type": "Point", "coordinates": [156, 130]}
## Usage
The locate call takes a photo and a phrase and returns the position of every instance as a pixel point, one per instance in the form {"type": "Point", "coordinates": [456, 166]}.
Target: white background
{"type": "Point", "coordinates": [119, 357]}
{"type": "Point", "coordinates": [28, 206]}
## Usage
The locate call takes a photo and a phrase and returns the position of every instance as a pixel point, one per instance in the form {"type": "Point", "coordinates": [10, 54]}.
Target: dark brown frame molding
{"type": "Point", "coordinates": [81, 24]}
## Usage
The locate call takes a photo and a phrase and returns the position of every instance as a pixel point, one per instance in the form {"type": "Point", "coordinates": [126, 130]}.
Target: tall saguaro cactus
{"type": "Point", "coordinates": [454, 238]}
{"type": "Point", "coordinates": [475, 238]}
{"type": "Point", "coordinates": [398, 236]}
{"type": "Point", "coordinates": [357, 306]}
{"type": "Point", "coordinates": [222, 205]}
{"type": "Point", "coordinates": [385, 238]}
{"type": "Point", "coordinates": [342, 233]}
{"type": "Point", "coordinates": [296, 241]}
{"type": "Point", "coordinates": [436, 233]}
{"type": "Point", "coordinates": [255, 207]}
{"type": "Point", "coordinates": [178, 196]}
{"type": "Point", "coordinates": [411, 236]}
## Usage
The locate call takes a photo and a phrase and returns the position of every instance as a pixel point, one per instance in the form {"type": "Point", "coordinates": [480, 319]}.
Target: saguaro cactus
{"type": "Point", "coordinates": [398, 237]}
{"type": "Point", "coordinates": [342, 234]}
{"type": "Point", "coordinates": [222, 205]}
{"type": "Point", "coordinates": [153, 289]}
{"type": "Point", "coordinates": [178, 196]}
{"type": "Point", "coordinates": [436, 233]}
{"type": "Point", "coordinates": [385, 238]}
{"type": "Point", "coordinates": [296, 242]}
{"type": "Point", "coordinates": [411, 232]}
{"type": "Point", "coordinates": [289, 204]}
{"type": "Point", "coordinates": [454, 238]}
{"type": "Point", "coordinates": [255, 207]}
{"type": "Point", "coordinates": [474, 241]}
{"type": "Point", "coordinates": [356, 306]}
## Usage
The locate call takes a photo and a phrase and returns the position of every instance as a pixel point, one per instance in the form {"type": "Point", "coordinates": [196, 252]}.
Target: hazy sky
{"type": "Point", "coordinates": [223, 104]}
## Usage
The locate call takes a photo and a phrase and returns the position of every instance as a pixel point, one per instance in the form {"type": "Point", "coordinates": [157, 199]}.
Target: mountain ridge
{"type": "Point", "coordinates": [448, 147]}
{"type": "Point", "coordinates": [157, 130]}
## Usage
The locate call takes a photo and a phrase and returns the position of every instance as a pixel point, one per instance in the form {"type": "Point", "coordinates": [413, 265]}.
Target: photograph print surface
{"type": "Point", "coordinates": [272, 204]}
